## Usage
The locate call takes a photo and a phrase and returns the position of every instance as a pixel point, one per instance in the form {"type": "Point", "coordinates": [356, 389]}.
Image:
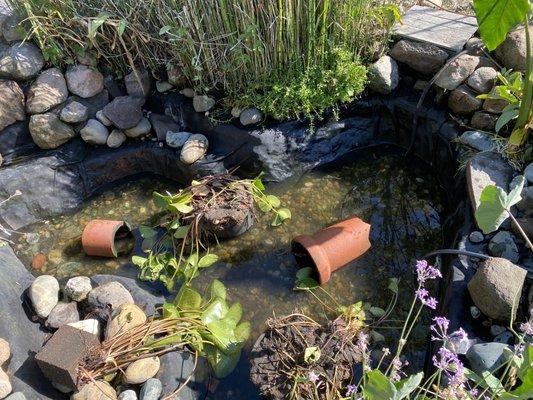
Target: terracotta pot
{"type": "Point", "coordinates": [335, 246]}
{"type": "Point", "coordinates": [99, 236]}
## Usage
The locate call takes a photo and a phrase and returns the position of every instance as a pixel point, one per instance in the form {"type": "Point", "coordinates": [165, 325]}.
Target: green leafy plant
{"type": "Point", "coordinates": [495, 19]}
{"type": "Point", "coordinates": [495, 207]}
{"type": "Point", "coordinates": [178, 249]}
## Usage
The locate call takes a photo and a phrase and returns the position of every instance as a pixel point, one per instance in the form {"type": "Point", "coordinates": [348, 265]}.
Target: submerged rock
{"type": "Point", "coordinates": [194, 149]}
{"type": "Point", "coordinates": [84, 81]}
{"type": "Point", "coordinates": [21, 61]}
{"type": "Point", "coordinates": [44, 294]}
{"type": "Point", "coordinates": [141, 370]}
{"type": "Point", "coordinates": [496, 287]}
{"type": "Point", "coordinates": [48, 131]}
{"type": "Point", "coordinates": [48, 90]}
{"type": "Point", "coordinates": [11, 104]}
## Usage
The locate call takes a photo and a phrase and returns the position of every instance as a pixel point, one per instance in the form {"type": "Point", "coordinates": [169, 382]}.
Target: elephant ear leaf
{"type": "Point", "coordinates": [497, 17]}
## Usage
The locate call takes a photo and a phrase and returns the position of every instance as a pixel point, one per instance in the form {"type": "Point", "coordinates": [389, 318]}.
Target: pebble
{"type": "Point", "coordinates": [503, 245]}
{"type": "Point", "coordinates": [475, 312]}
{"type": "Point", "coordinates": [151, 389]}
{"type": "Point", "coordinates": [176, 140]}
{"type": "Point", "coordinates": [98, 390]}
{"type": "Point", "coordinates": [127, 395]}
{"type": "Point", "coordinates": [116, 138]}
{"type": "Point", "coordinates": [103, 119]}
{"type": "Point", "coordinates": [194, 149]}
{"type": "Point", "coordinates": [476, 237]}
{"type": "Point", "coordinates": [44, 294]}
{"type": "Point", "coordinates": [5, 384]}
{"type": "Point", "coordinates": [124, 318]}
{"type": "Point", "coordinates": [38, 261]}
{"type": "Point", "coordinates": [188, 92]}
{"type": "Point", "coordinates": [111, 294]}
{"type": "Point", "coordinates": [94, 132]}
{"type": "Point", "coordinates": [88, 325]}
{"type": "Point", "coordinates": [63, 313]}
{"type": "Point", "coordinates": [5, 351]}
{"type": "Point", "coordinates": [143, 128]}
{"type": "Point", "coordinates": [141, 370]}
{"type": "Point", "coordinates": [163, 86]}
{"type": "Point", "coordinates": [78, 288]}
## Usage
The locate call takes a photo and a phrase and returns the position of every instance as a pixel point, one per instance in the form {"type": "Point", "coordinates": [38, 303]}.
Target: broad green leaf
{"type": "Point", "coordinates": [377, 311]}
{"type": "Point", "coordinates": [491, 211]}
{"type": "Point", "coordinates": [160, 200]}
{"type": "Point", "coordinates": [170, 311]}
{"type": "Point", "coordinates": [223, 335]}
{"type": "Point", "coordinates": [518, 136]}
{"type": "Point", "coordinates": [379, 387]}
{"type": "Point", "coordinates": [147, 232]}
{"type": "Point", "coordinates": [217, 290]}
{"type": "Point", "coordinates": [207, 260]}
{"type": "Point", "coordinates": [139, 261]}
{"type": "Point", "coordinates": [408, 385]}
{"type": "Point", "coordinates": [121, 27]}
{"type": "Point", "coordinates": [258, 184]}
{"type": "Point", "coordinates": [188, 298]}
{"type": "Point", "coordinates": [97, 23]}
{"type": "Point", "coordinates": [181, 232]}
{"type": "Point", "coordinates": [306, 284]}
{"type": "Point", "coordinates": [393, 285]}
{"type": "Point", "coordinates": [284, 213]}
{"type": "Point", "coordinates": [182, 208]}
{"type": "Point", "coordinates": [222, 364]}
{"type": "Point", "coordinates": [528, 361]}
{"type": "Point", "coordinates": [514, 195]}
{"type": "Point", "coordinates": [273, 200]}
{"type": "Point", "coordinates": [302, 273]}
{"type": "Point", "coordinates": [506, 117]}
{"type": "Point", "coordinates": [312, 354]}
{"type": "Point", "coordinates": [486, 380]}
{"type": "Point", "coordinates": [217, 310]}
{"type": "Point", "coordinates": [497, 17]}
{"type": "Point", "coordinates": [234, 314]}
{"type": "Point", "coordinates": [243, 332]}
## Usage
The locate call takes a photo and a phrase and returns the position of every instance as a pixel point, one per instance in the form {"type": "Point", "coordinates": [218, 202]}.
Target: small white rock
{"type": "Point", "coordinates": [5, 351]}
{"type": "Point", "coordinates": [163, 86]}
{"type": "Point", "coordinates": [141, 129]}
{"type": "Point", "coordinates": [44, 294]}
{"type": "Point", "coordinates": [78, 287]}
{"type": "Point", "coordinates": [141, 370]}
{"type": "Point", "coordinates": [194, 149]}
{"type": "Point", "coordinates": [94, 132]}
{"type": "Point", "coordinates": [116, 138]}
{"type": "Point", "coordinates": [127, 395]}
{"type": "Point", "coordinates": [88, 325]}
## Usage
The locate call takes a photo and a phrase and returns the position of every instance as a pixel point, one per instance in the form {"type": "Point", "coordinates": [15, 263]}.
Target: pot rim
{"type": "Point", "coordinates": [317, 255]}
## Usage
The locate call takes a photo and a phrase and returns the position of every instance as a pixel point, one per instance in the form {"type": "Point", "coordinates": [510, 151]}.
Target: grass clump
{"type": "Point", "coordinates": [289, 58]}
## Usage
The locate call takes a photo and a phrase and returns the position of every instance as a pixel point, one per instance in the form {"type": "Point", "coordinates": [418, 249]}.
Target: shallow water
{"type": "Point", "coordinates": [398, 197]}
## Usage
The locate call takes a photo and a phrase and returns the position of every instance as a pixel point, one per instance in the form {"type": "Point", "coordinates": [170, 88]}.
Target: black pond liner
{"type": "Point", "coordinates": [59, 181]}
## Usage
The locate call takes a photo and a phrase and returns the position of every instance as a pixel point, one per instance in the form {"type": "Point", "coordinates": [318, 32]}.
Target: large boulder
{"type": "Point", "coordinates": [384, 75]}
{"type": "Point", "coordinates": [84, 81]}
{"type": "Point", "coordinates": [21, 61]}
{"type": "Point", "coordinates": [496, 288]}
{"type": "Point", "coordinates": [512, 52]}
{"type": "Point", "coordinates": [11, 104]}
{"type": "Point", "coordinates": [49, 132]}
{"type": "Point", "coordinates": [48, 90]}
{"type": "Point", "coordinates": [457, 71]}
{"type": "Point", "coordinates": [422, 57]}
{"type": "Point", "coordinates": [124, 112]}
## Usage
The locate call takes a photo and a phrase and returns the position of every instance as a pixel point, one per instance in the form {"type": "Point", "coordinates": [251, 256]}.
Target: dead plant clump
{"type": "Point", "coordinates": [279, 364]}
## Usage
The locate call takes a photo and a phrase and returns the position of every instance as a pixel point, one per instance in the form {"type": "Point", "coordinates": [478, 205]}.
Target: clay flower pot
{"type": "Point", "coordinates": [335, 246]}
{"type": "Point", "coordinates": [100, 235]}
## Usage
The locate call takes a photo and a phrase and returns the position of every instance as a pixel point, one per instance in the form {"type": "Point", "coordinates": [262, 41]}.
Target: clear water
{"type": "Point", "coordinates": [399, 198]}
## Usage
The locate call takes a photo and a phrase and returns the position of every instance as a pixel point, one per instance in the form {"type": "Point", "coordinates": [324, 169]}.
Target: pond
{"type": "Point", "coordinates": [397, 196]}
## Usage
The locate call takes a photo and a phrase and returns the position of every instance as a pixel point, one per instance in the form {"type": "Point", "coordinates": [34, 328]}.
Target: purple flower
{"type": "Point", "coordinates": [312, 376]}
{"type": "Point", "coordinates": [527, 328]}
{"type": "Point", "coordinates": [426, 272]}
{"type": "Point", "coordinates": [440, 328]}
{"type": "Point", "coordinates": [422, 294]}
{"type": "Point", "coordinates": [449, 363]}
{"type": "Point", "coordinates": [350, 390]}
{"type": "Point", "coordinates": [458, 335]}
{"type": "Point", "coordinates": [396, 371]}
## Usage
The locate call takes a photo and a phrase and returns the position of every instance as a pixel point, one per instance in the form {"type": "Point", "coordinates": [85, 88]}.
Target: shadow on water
{"type": "Point", "coordinates": [397, 196]}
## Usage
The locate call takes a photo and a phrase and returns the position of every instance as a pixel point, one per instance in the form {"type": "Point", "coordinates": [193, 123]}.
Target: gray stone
{"type": "Point", "coordinates": [504, 337]}
{"type": "Point", "coordinates": [143, 128]}
{"type": "Point", "coordinates": [190, 93]}
{"type": "Point", "coordinates": [178, 367]}
{"type": "Point", "coordinates": [422, 57]}
{"type": "Point", "coordinates": [151, 389]}
{"type": "Point", "coordinates": [16, 396]}
{"type": "Point", "coordinates": [176, 140]}
{"type": "Point", "coordinates": [124, 112]}
{"type": "Point", "coordinates": [528, 173]}
{"type": "Point", "coordinates": [482, 80]}
{"type": "Point", "coordinates": [163, 86]}
{"type": "Point", "coordinates": [496, 330]}
{"type": "Point", "coordinates": [486, 356]}
{"type": "Point", "coordinates": [475, 312]}
{"type": "Point", "coordinates": [475, 46]}
{"type": "Point", "coordinates": [109, 296]}
{"type": "Point", "coordinates": [141, 370]}
{"type": "Point", "coordinates": [93, 104]}
{"type": "Point", "coordinates": [250, 116]}
{"type": "Point", "coordinates": [98, 390]}
{"type": "Point", "coordinates": [78, 288]}
{"type": "Point", "coordinates": [477, 140]}
{"type": "Point", "coordinates": [496, 287]}
{"type": "Point", "coordinates": [5, 384]}
{"type": "Point", "coordinates": [463, 101]}
{"type": "Point", "coordinates": [21, 61]}
{"type": "Point", "coordinates": [526, 204]}
{"type": "Point", "coordinates": [476, 237]}
{"type": "Point", "coordinates": [194, 149]}
{"type": "Point", "coordinates": [103, 119]}
{"type": "Point", "coordinates": [138, 84]}
{"type": "Point", "coordinates": [62, 314]}
{"type": "Point", "coordinates": [74, 113]}
{"type": "Point", "coordinates": [163, 124]}
{"type": "Point", "coordinates": [203, 103]}
{"type": "Point", "coordinates": [48, 131]}
{"type": "Point", "coordinates": [44, 295]}
{"type": "Point", "coordinates": [84, 81]}
{"type": "Point", "coordinates": [484, 169]}
{"type": "Point", "coordinates": [94, 132]}
{"type": "Point", "coordinates": [384, 75]}
{"type": "Point", "coordinates": [503, 245]}
{"type": "Point", "coordinates": [5, 351]}
{"type": "Point", "coordinates": [11, 104]}
{"type": "Point", "coordinates": [483, 121]}
{"type": "Point", "coordinates": [116, 138]}
{"type": "Point", "coordinates": [128, 395]}
{"type": "Point", "coordinates": [9, 27]}
{"type": "Point", "coordinates": [457, 72]}
{"type": "Point", "coordinates": [48, 90]}
{"type": "Point", "coordinates": [512, 52]}
{"type": "Point", "coordinates": [495, 106]}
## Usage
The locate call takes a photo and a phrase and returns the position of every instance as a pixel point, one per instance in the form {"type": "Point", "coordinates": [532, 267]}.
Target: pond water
{"type": "Point", "coordinates": [396, 196]}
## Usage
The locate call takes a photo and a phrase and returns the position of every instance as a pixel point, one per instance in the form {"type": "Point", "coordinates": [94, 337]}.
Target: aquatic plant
{"type": "Point", "coordinates": [207, 326]}
{"type": "Point", "coordinates": [194, 217]}
{"type": "Point", "coordinates": [268, 54]}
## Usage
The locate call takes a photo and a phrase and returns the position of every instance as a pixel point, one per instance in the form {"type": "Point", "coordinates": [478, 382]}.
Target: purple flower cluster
{"type": "Point", "coordinates": [426, 272]}
{"type": "Point", "coordinates": [448, 362]}
{"type": "Point", "coordinates": [396, 370]}
{"type": "Point", "coordinates": [527, 327]}
{"type": "Point", "coordinates": [440, 331]}
{"type": "Point", "coordinates": [350, 390]}
{"type": "Point", "coordinates": [423, 295]}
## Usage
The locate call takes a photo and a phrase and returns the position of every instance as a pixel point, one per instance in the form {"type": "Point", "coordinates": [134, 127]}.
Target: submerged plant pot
{"type": "Point", "coordinates": [100, 236]}
{"type": "Point", "coordinates": [335, 246]}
